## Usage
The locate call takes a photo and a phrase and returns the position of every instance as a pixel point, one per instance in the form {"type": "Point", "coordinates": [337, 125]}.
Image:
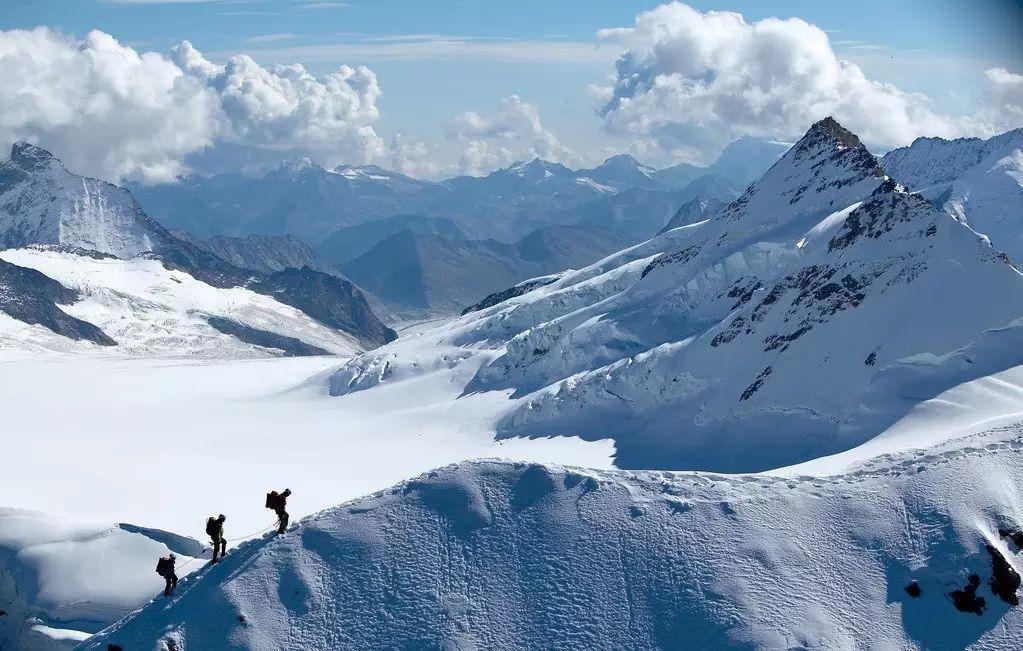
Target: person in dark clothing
{"type": "Point", "coordinates": [165, 568]}
{"type": "Point", "coordinates": [280, 510]}
{"type": "Point", "coordinates": [215, 529]}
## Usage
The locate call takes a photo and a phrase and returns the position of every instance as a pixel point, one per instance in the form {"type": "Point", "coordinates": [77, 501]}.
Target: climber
{"type": "Point", "coordinates": [279, 502]}
{"type": "Point", "coordinates": [165, 568]}
{"type": "Point", "coordinates": [215, 530]}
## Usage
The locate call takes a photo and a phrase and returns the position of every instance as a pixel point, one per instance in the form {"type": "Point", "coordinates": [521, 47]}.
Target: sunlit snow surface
{"type": "Point", "coordinates": [186, 439]}
{"type": "Point", "coordinates": [512, 556]}
{"type": "Point", "coordinates": [152, 311]}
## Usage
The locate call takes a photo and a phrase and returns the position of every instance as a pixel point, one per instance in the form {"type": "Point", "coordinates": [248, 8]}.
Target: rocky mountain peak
{"type": "Point", "coordinates": [29, 157]}
{"type": "Point", "coordinates": [830, 129]}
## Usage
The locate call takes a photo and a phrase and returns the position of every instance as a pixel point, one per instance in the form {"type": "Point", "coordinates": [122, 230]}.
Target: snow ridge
{"type": "Point", "coordinates": [501, 555]}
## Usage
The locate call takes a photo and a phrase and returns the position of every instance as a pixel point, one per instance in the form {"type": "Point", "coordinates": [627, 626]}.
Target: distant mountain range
{"type": "Point", "coordinates": [100, 247]}
{"type": "Point", "coordinates": [314, 204]}
{"type": "Point", "coordinates": [416, 274]}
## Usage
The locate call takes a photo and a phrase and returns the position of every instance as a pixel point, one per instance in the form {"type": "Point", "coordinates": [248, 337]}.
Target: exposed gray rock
{"type": "Point", "coordinates": [288, 345]}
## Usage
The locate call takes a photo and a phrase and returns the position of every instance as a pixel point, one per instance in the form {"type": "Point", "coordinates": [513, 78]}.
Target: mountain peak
{"type": "Point", "coordinates": [622, 159]}
{"type": "Point", "coordinates": [28, 156]}
{"type": "Point", "coordinates": [538, 167]}
{"type": "Point", "coordinates": [294, 165]}
{"type": "Point", "coordinates": [830, 129]}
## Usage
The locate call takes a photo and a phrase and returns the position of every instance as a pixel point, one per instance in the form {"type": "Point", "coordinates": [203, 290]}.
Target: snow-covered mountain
{"type": "Point", "coordinates": [43, 203]}
{"type": "Point", "coordinates": [919, 550]}
{"type": "Point", "coordinates": [977, 181]}
{"type": "Point", "coordinates": [140, 308]}
{"type": "Point", "coordinates": [98, 246]}
{"type": "Point", "coordinates": [789, 325]}
{"type": "Point", "coordinates": [622, 172]}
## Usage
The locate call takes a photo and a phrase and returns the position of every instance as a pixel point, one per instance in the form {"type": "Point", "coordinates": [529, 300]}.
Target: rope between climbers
{"type": "Point", "coordinates": [206, 549]}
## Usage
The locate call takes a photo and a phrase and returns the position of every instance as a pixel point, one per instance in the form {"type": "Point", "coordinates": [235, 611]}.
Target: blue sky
{"type": "Point", "coordinates": [435, 60]}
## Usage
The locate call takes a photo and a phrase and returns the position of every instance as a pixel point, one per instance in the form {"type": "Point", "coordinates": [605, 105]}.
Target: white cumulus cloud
{"type": "Point", "coordinates": [1006, 91]}
{"type": "Point", "coordinates": [113, 112]}
{"type": "Point", "coordinates": [692, 81]}
{"type": "Point", "coordinates": [512, 132]}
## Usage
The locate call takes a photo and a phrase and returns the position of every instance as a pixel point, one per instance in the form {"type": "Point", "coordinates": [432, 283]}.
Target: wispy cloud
{"type": "Point", "coordinates": [271, 38]}
{"type": "Point", "coordinates": [176, 2]}
{"type": "Point", "coordinates": [859, 45]}
{"type": "Point", "coordinates": [313, 6]}
{"type": "Point", "coordinates": [439, 46]}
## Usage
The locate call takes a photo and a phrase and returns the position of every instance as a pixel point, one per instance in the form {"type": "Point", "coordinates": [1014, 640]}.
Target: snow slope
{"type": "Point", "coordinates": [61, 580]}
{"type": "Point", "coordinates": [152, 311]}
{"type": "Point", "coordinates": [801, 320]}
{"type": "Point", "coordinates": [494, 555]}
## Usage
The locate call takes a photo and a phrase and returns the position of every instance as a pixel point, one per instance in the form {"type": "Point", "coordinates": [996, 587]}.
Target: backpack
{"type": "Point", "coordinates": [211, 526]}
{"type": "Point", "coordinates": [163, 566]}
{"type": "Point", "coordinates": [273, 500]}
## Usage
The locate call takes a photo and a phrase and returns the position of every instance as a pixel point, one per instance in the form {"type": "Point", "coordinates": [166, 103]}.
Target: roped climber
{"type": "Point", "coordinates": [215, 530]}
{"type": "Point", "coordinates": [279, 503]}
{"type": "Point", "coordinates": [165, 568]}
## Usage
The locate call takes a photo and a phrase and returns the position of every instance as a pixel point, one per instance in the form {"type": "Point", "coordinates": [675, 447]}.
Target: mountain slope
{"type": "Point", "coordinates": [430, 273]}
{"type": "Point", "coordinates": [501, 555]}
{"type": "Point", "coordinates": [704, 347]}
{"type": "Point", "coordinates": [41, 203]}
{"type": "Point", "coordinates": [977, 181]}
{"type": "Point", "coordinates": [349, 243]}
{"type": "Point", "coordinates": [693, 211]}
{"type": "Point", "coordinates": [739, 164]}
{"type": "Point", "coordinates": [148, 310]}
{"type": "Point", "coordinates": [33, 298]}
{"type": "Point", "coordinates": [260, 253]}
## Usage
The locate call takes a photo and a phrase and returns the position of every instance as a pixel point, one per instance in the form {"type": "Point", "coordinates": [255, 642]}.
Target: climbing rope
{"type": "Point", "coordinates": [246, 537]}
{"type": "Point", "coordinates": [253, 535]}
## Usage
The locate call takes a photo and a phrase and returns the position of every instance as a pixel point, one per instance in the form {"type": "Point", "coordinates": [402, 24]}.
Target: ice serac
{"type": "Point", "coordinates": [43, 203]}
{"type": "Point", "coordinates": [491, 555]}
{"type": "Point", "coordinates": [149, 310]}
